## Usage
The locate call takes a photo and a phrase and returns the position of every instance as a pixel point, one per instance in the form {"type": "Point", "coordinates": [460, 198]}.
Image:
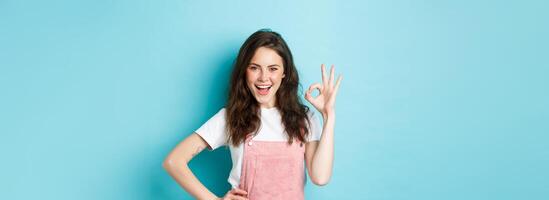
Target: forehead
{"type": "Point", "coordinates": [265, 56]}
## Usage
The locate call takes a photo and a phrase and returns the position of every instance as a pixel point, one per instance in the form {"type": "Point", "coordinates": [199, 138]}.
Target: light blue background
{"type": "Point", "coordinates": [440, 99]}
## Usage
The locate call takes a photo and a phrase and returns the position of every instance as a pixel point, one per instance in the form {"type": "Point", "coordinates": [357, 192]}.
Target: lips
{"type": "Point", "coordinates": [263, 89]}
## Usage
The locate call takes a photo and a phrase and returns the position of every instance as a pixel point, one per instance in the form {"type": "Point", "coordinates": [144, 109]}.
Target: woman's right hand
{"type": "Point", "coordinates": [236, 194]}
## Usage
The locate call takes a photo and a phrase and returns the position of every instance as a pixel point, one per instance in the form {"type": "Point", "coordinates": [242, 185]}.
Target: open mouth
{"type": "Point", "coordinates": [263, 89]}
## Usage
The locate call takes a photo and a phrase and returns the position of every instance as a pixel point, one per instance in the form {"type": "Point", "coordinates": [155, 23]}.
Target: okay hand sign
{"type": "Point", "coordinates": [325, 100]}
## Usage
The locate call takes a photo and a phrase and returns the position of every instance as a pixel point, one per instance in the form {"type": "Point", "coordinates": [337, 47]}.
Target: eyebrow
{"type": "Point", "coordinates": [267, 66]}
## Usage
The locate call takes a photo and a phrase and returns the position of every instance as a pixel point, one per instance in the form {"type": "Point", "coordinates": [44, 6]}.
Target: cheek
{"type": "Point", "coordinates": [250, 77]}
{"type": "Point", "coordinates": [278, 77]}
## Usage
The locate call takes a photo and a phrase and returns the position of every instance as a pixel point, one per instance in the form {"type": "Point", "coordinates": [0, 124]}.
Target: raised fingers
{"type": "Point", "coordinates": [324, 77]}
{"type": "Point", "coordinates": [337, 84]}
{"type": "Point", "coordinates": [332, 70]}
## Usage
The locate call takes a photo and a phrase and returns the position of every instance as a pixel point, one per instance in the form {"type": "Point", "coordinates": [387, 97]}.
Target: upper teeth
{"type": "Point", "coordinates": [263, 86]}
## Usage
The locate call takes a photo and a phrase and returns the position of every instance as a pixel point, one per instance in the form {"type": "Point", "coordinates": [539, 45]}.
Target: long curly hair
{"type": "Point", "coordinates": [243, 110]}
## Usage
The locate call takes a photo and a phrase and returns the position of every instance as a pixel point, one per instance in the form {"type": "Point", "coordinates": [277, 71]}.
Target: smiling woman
{"type": "Point", "coordinates": [265, 60]}
{"type": "Point", "coordinates": [269, 131]}
{"type": "Point", "coordinates": [265, 72]}
{"type": "Point", "coordinates": [264, 75]}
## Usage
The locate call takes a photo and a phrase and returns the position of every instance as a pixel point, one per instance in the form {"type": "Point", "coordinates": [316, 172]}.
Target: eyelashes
{"type": "Point", "coordinates": [253, 68]}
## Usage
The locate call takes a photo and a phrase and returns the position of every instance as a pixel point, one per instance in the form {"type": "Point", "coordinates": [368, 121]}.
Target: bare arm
{"type": "Point", "coordinates": [176, 164]}
{"type": "Point", "coordinates": [319, 155]}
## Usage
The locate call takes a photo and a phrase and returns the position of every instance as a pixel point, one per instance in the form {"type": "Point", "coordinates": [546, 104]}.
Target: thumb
{"type": "Point", "coordinates": [313, 87]}
{"type": "Point", "coordinates": [308, 94]}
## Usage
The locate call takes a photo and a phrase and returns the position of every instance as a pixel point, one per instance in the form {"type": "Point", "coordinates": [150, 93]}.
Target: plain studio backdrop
{"type": "Point", "coordinates": [440, 100]}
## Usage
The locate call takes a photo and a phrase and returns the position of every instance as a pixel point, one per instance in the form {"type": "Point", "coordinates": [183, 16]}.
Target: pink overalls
{"type": "Point", "coordinates": [273, 170]}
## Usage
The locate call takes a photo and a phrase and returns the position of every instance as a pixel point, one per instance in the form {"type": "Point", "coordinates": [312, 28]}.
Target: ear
{"type": "Point", "coordinates": [283, 75]}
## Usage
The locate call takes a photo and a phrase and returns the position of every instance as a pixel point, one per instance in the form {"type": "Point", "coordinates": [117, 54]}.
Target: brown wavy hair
{"type": "Point", "coordinates": [243, 110]}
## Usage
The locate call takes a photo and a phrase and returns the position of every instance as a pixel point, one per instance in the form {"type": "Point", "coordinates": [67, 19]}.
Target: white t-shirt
{"type": "Point", "coordinates": [271, 129]}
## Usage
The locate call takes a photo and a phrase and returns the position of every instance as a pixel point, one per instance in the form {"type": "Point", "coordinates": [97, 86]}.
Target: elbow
{"type": "Point", "coordinates": [166, 164]}
{"type": "Point", "coordinates": [170, 163]}
{"type": "Point", "coordinates": [320, 177]}
{"type": "Point", "coordinates": [320, 181]}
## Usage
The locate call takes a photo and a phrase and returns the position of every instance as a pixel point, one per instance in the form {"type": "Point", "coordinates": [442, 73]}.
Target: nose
{"type": "Point", "coordinates": [264, 76]}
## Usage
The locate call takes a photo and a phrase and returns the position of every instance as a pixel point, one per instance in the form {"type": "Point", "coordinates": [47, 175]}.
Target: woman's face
{"type": "Point", "coordinates": [264, 75]}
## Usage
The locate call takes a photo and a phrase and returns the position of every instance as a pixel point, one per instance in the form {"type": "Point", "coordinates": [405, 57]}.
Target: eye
{"type": "Point", "coordinates": [253, 67]}
{"type": "Point", "coordinates": [273, 69]}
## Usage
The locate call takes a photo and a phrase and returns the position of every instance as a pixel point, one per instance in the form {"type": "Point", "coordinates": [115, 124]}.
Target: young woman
{"type": "Point", "coordinates": [270, 133]}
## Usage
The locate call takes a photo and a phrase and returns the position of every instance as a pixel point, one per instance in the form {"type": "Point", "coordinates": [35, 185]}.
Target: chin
{"type": "Point", "coordinates": [262, 100]}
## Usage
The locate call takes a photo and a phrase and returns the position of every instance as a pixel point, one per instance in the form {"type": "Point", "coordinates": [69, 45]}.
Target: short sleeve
{"type": "Point", "coordinates": [213, 131]}
{"type": "Point", "coordinates": [315, 129]}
